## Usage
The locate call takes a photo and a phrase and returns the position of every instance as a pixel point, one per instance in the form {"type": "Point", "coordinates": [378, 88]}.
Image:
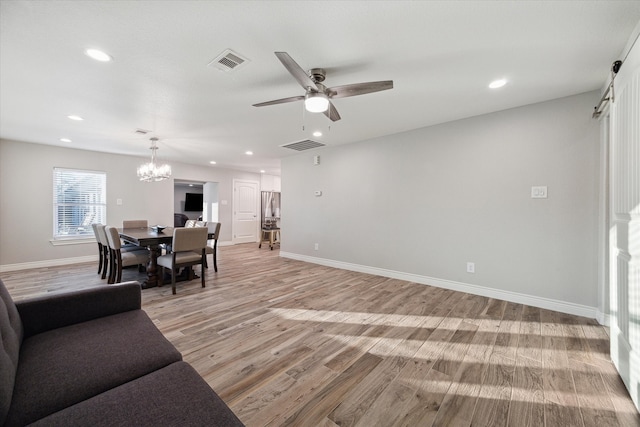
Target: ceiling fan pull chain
{"type": "Point", "coordinates": [304, 117]}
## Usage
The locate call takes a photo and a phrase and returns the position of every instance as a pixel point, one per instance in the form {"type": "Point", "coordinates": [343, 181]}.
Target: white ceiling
{"type": "Point", "coordinates": [441, 56]}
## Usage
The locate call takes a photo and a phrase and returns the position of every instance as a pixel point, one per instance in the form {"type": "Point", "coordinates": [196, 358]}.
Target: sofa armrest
{"type": "Point", "coordinates": [55, 311]}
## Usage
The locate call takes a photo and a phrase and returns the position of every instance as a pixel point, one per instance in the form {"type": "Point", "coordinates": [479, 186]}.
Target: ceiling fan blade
{"type": "Point", "coordinates": [358, 89]}
{"type": "Point", "coordinates": [296, 71]}
{"type": "Point", "coordinates": [332, 113]}
{"type": "Point", "coordinates": [279, 101]}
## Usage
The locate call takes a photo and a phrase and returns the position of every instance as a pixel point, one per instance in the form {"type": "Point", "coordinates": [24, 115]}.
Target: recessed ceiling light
{"type": "Point", "coordinates": [74, 117]}
{"type": "Point", "coordinates": [497, 83]}
{"type": "Point", "coordinates": [249, 153]}
{"type": "Point", "coordinates": [98, 55]}
{"type": "Point", "coordinates": [317, 133]}
{"type": "Point", "coordinates": [262, 171]}
{"type": "Point", "coordinates": [212, 162]}
{"type": "Point", "coordinates": [65, 140]}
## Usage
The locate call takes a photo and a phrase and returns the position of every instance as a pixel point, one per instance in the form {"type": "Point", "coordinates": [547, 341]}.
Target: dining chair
{"type": "Point", "coordinates": [135, 223]}
{"type": "Point", "coordinates": [190, 223]}
{"type": "Point", "coordinates": [188, 249]}
{"type": "Point", "coordinates": [102, 236]}
{"type": "Point", "coordinates": [212, 244]}
{"type": "Point", "coordinates": [119, 258]}
{"type": "Point", "coordinates": [102, 239]}
{"type": "Point", "coordinates": [103, 247]}
{"type": "Point", "coordinates": [103, 251]}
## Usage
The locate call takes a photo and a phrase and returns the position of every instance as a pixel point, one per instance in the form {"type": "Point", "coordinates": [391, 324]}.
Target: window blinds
{"type": "Point", "coordinates": [79, 200]}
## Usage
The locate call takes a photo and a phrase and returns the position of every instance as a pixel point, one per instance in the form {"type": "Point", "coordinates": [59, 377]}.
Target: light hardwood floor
{"type": "Point", "coordinates": [284, 342]}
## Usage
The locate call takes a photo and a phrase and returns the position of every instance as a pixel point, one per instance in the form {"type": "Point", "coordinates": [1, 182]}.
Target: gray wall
{"type": "Point", "coordinates": [428, 201]}
{"type": "Point", "coordinates": [26, 196]}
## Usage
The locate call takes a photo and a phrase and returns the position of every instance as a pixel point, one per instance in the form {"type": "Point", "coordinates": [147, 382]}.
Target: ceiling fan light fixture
{"type": "Point", "coordinates": [316, 102]}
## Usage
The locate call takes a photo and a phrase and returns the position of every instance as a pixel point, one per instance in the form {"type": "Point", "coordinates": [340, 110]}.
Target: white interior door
{"type": "Point", "coordinates": [245, 211]}
{"type": "Point", "coordinates": [624, 254]}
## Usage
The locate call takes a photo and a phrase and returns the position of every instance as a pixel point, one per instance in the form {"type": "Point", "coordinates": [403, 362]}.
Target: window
{"type": "Point", "coordinates": [79, 200]}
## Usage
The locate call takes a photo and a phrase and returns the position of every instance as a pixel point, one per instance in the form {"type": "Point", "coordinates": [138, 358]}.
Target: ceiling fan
{"type": "Point", "coordinates": [317, 98]}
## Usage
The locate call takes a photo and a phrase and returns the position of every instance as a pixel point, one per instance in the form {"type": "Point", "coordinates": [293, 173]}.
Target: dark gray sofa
{"type": "Point", "coordinates": [94, 358]}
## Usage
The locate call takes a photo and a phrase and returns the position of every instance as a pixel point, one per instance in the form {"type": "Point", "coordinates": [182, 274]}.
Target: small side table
{"type": "Point", "coordinates": [272, 235]}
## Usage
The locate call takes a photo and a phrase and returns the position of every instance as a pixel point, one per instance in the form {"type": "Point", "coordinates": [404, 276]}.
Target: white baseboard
{"type": "Point", "coordinates": [62, 261]}
{"type": "Point", "coordinates": [535, 301]}
{"type": "Point", "coordinates": [603, 318]}
{"type": "Point", "coordinates": [48, 263]}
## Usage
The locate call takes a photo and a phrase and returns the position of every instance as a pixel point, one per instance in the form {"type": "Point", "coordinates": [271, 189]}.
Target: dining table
{"type": "Point", "coordinates": [150, 238]}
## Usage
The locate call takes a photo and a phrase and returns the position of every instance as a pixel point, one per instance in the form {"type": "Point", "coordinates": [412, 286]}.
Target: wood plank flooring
{"type": "Point", "coordinates": [286, 343]}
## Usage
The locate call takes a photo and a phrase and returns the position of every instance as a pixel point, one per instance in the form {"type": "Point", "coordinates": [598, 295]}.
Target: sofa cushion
{"type": "Point", "coordinates": [11, 333]}
{"type": "Point", "coordinates": [57, 310]}
{"type": "Point", "coordinates": [64, 366]}
{"type": "Point", "coordinates": [172, 396]}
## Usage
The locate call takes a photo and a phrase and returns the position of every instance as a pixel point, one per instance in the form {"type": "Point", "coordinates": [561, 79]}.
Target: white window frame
{"type": "Point", "coordinates": [85, 208]}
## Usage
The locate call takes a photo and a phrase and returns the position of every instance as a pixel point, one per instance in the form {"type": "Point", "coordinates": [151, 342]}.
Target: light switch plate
{"type": "Point", "coordinates": [539, 192]}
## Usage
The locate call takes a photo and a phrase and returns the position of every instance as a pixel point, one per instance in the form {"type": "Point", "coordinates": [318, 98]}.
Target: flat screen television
{"type": "Point", "coordinates": [193, 202]}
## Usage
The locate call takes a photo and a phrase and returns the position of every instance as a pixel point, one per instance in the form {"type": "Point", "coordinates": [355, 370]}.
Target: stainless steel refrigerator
{"type": "Point", "coordinates": [270, 207]}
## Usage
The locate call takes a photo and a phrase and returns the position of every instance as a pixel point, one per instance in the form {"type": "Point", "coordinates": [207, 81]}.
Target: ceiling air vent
{"type": "Point", "coordinates": [228, 61]}
{"type": "Point", "coordinates": [306, 144]}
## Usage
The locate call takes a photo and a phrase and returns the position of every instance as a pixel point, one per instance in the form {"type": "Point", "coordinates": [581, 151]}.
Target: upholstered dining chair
{"type": "Point", "coordinates": [190, 223]}
{"type": "Point", "coordinates": [188, 249]}
{"type": "Point", "coordinates": [103, 249]}
{"type": "Point", "coordinates": [135, 223]}
{"type": "Point", "coordinates": [119, 258]}
{"type": "Point", "coordinates": [212, 244]}
{"type": "Point", "coordinates": [101, 234]}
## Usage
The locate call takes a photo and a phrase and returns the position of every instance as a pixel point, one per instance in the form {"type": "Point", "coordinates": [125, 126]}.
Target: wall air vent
{"type": "Point", "coordinates": [303, 145]}
{"type": "Point", "coordinates": [228, 61]}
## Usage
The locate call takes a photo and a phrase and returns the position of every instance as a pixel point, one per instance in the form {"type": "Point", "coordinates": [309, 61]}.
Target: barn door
{"type": "Point", "coordinates": [624, 247]}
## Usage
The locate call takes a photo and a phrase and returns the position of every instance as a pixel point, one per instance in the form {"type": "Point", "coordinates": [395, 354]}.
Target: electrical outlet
{"type": "Point", "coordinates": [471, 267]}
{"type": "Point", "coordinates": [316, 246]}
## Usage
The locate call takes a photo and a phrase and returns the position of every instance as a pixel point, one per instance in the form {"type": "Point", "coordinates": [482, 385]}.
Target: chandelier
{"type": "Point", "coordinates": [150, 171]}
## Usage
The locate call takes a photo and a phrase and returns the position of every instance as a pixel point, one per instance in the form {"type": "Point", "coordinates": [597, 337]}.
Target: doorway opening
{"type": "Point", "coordinates": [195, 200]}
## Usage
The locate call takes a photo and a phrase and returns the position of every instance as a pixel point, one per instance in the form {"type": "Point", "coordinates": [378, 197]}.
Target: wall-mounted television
{"type": "Point", "coordinates": [193, 202]}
